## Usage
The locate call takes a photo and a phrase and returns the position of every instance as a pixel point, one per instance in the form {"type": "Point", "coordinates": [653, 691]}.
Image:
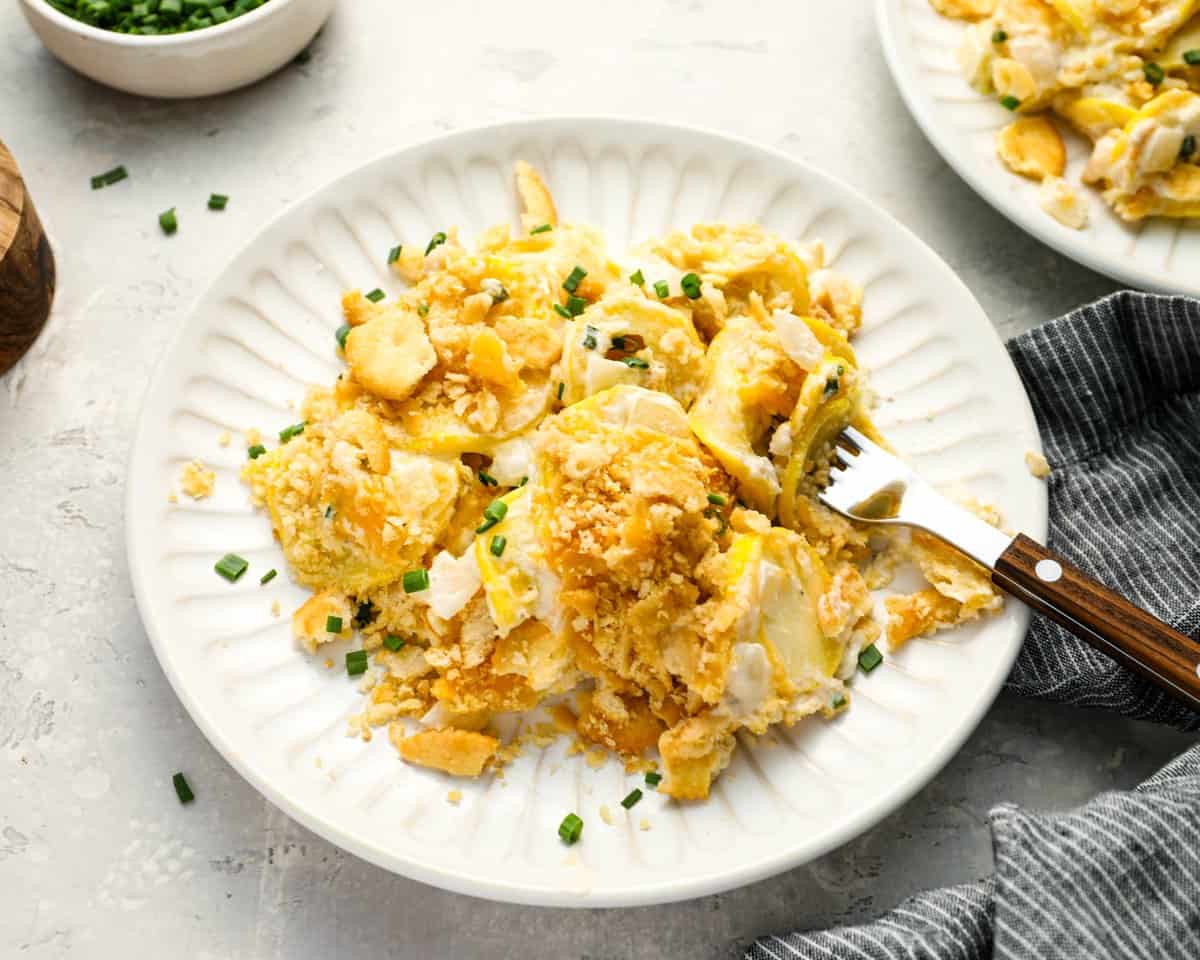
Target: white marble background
{"type": "Point", "coordinates": [97, 858]}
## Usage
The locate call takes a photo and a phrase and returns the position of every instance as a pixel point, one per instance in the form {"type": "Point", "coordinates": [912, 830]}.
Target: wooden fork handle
{"type": "Point", "coordinates": [1110, 623]}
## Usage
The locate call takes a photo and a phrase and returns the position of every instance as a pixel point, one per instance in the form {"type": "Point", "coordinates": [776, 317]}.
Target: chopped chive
{"type": "Point", "coordinates": [570, 829]}
{"type": "Point", "coordinates": [544, 228]}
{"type": "Point", "coordinates": [632, 798]}
{"type": "Point", "coordinates": [524, 480]}
{"type": "Point", "coordinates": [497, 545]}
{"type": "Point", "coordinates": [393, 642]}
{"type": "Point", "coordinates": [231, 567]}
{"type": "Point", "coordinates": [653, 779]}
{"type": "Point", "coordinates": [333, 624]}
{"type": "Point", "coordinates": [839, 701]}
{"type": "Point", "coordinates": [1009, 102]}
{"type": "Point", "coordinates": [1154, 73]}
{"type": "Point", "coordinates": [356, 662]}
{"type": "Point", "coordinates": [342, 333]}
{"type": "Point", "coordinates": [1190, 57]}
{"type": "Point", "coordinates": [589, 337]}
{"type": "Point", "coordinates": [422, 309]}
{"type": "Point", "coordinates": [561, 387]}
{"type": "Point", "coordinates": [416, 580]}
{"type": "Point", "coordinates": [496, 291]}
{"type": "Point", "coordinates": [268, 576]}
{"type": "Point", "coordinates": [575, 305]}
{"type": "Point", "coordinates": [662, 289]}
{"type": "Point", "coordinates": [183, 789]}
{"type": "Point", "coordinates": [690, 283]}
{"type": "Point", "coordinates": [376, 295]}
{"type": "Point", "coordinates": [329, 511]}
{"type": "Point", "coordinates": [637, 278]}
{"type": "Point", "coordinates": [618, 343]}
{"type": "Point", "coordinates": [717, 499]}
{"type": "Point", "coordinates": [1000, 36]}
{"type": "Point", "coordinates": [109, 177]}
{"type": "Point", "coordinates": [487, 479]}
{"type": "Point", "coordinates": [217, 201]}
{"type": "Point", "coordinates": [394, 253]}
{"type": "Point", "coordinates": [168, 221]}
{"type": "Point", "coordinates": [294, 430]}
{"type": "Point", "coordinates": [870, 658]}
{"type": "Point", "coordinates": [496, 510]}
{"type": "Point", "coordinates": [562, 311]}
{"type": "Point", "coordinates": [435, 241]}
{"type": "Point", "coordinates": [637, 363]}
{"type": "Point", "coordinates": [256, 451]}
{"type": "Point", "coordinates": [712, 513]}
{"type": "Point", "coordinates": [574, 278]}
{"type": "Point", "coordinates": [1188, 147]}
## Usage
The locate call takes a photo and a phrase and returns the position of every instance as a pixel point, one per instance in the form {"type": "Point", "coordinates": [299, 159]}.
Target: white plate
{"type": "Point", "coordinates": [920, 46]}
{"type": "Point", "coordinates": [950, 398]}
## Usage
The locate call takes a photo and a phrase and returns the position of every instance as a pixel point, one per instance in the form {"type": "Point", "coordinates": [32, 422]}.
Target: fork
{"type": "Point", "coordinates": [871, 485]}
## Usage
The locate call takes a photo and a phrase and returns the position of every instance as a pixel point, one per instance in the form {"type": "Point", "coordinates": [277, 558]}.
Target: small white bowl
{"type": "Point", "coordinates": [199, 63]}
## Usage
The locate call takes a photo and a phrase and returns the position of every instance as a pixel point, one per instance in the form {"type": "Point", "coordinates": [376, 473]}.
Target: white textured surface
{"type": "Point", "coordinates": [97, 858]}
{"type": "Point", "coordinates": [1157, 254]}
{"type": "Point", "coordinates": [948, 398]}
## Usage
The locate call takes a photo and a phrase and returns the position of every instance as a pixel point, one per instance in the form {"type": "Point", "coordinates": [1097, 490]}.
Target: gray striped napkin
{"type": "Point", "coordinates": [1116, 389]}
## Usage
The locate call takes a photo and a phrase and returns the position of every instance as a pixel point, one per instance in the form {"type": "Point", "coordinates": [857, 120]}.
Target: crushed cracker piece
{"type": "Point", "coordinates": [196, 480]}
{"type": "Point", "coordinates": [454, 797]}
{"type": "Point", "coordinates": [1037, 465]}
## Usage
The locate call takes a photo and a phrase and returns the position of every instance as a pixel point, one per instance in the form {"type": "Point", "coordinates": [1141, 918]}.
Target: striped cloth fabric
{"type": "Point", "coordinates": [1116, 389]}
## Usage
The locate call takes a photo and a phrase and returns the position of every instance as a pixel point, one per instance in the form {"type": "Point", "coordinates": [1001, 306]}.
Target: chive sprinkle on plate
{"type": "Point", "coordinates": [653, 779]}
{"type": "Point", "coordinates": [168, 221]}
{"type": "Point", "coordinates": [632, 798]}
{"type": "Point", "coordinates": [393, 642]}
{"type": "Point", "coordinates": [570, 829]}
{"type": "Point", "coordinates": [356, 662]}
{"type": "Point", "coordinates": [217, 201]}
{"type": "Point", "coordinates": [150, 18]}
{"type": "Point", "coordinates": [416, 580]}
{"type": "Point", "coordinates": [231, 567]}
{"type": "Point", "coordinates": [870, 658]}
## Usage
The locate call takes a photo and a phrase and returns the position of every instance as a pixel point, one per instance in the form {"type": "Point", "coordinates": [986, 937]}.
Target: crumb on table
{"type": "Point", "coordinates": [196, 480]}
{"type": "Point", "coordinates": [454, 797]}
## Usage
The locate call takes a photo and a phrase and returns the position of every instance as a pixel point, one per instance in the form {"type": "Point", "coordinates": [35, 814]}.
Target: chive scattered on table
{"type": "Point", "coordinates": [653, 779]}
{"type": "Point", "coordinates": [109, 177]}
{"type": "Point", "coordinates": [631, 798]}
{"type": "Point", "coordinates": [256, 451]}
{"type": "Point", "coordinates": [268, 576]}
{"type": "Point", "coordinates": [231, 567]}
{"type": "Point", "coordinates": [183, 789]}
{"type": "Point", "coordinates": [416, 580]}
{"type": "Point", "coordinates": [217, 201]}
{"type": "Point", "coordinates": [168, 221]}
{"type": "Point", "coordinates": [435, 241]}
{"type": "Point", "coordinates": [570, 829]}
{"type": "Point", "coordinates": [394, 253]}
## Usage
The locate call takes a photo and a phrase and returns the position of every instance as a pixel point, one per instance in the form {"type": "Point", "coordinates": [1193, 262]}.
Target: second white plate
{"type": "Point", "coordinates": [950, 398]}
{"type": "Point", "coordinates": [920, 45]}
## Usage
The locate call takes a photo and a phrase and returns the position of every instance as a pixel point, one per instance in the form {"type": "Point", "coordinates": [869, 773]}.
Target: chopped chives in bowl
{"type": "Point", "coordinates": [150, 18]}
